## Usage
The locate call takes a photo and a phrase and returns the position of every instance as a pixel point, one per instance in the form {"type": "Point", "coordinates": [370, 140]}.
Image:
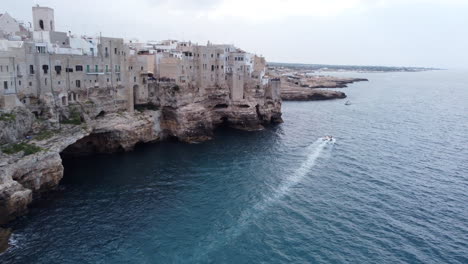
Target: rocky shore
{"type": "Point", "coordinates": [32, 150]}
{"type": "Point", "coordinates": [329, 82]}
{"type": "Point", "coordinates": [304, 85]}
{"type": "Point", "coordinates": [308, 94]}
{"type": "Point", "coordinates": [307, 89]}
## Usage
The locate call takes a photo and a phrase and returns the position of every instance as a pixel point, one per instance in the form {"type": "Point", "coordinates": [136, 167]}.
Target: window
{"type": "Point", "coordinates": [96, 68]}
{"type": "Point", "coordinates": [107, 79]}
{"type": "Point", "coordinates": [88, 68]}
{"type": "Point", "coordinates": [134, 79]}
{"type": "Point", "coordinates": [1, 68]}
{"type": "Point", "coordinates": [79, 68]}
{"type": "Point", "coordinates": [115, 51]}
{"type": "Point", "coordinates": [45, 81]}
{"type": "Point", "coordinates": [30, 83]}
{"type": "Point", "coordinates": [5, 85]}
{"type": "Point", "coordinates": [41, 24]}
{"type": "Point", "coordinates": [141, 67]}
{"type": "Point", "coordinates": [212, 67]}
{"type": "Point", "coordinates": [107, 68]}
{"type": "Point", "coordinates": [7, 69]}
{"type": "Point", "coordinates": [45, 68]}
{"type": "Point", "coordinates": [107, 52]}
{"type": "Point", "coordinates": [19, 82]}
{"type": "Point", "coordinates": [31, 69]}
{"type": "Point", "coordinates": [58, 69]}
{"type": "Point", "coordinates": [78, 83]}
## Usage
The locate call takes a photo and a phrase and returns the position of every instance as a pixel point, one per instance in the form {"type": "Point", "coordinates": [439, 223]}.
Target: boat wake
{"type": "Point", "coordinates": [314, 151]}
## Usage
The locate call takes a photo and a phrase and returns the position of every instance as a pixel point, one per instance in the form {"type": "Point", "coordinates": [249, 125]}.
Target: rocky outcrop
{"type": "Point", "coordinates": [4, 239]}
{"type": "Point", "coordinates": [21, 175]}
{"type": "Point", "coordinates": [190, 117]}
{"type": "Point", "coordinates": [118, 132]}
{"type": "Point", "coordinates": [330, 82]}
{"type": "Point", "coordinates": [24, 177]}
{"type": "Point", "coordinates": [15, 124]}
{"type": "Point", "coordinates": [308, 94]}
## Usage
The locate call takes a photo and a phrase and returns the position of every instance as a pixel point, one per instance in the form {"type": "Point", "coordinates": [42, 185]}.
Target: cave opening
{"type": "Point", "coordinates": [101, 114]}
{"type": "Point", "coordinates": [220, 106]}
{"type": "Point", "coordinates": [93, 144]}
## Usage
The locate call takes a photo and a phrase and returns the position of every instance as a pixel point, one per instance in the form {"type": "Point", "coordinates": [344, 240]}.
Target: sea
{"type": "Point", "coordinates": [392, 187]}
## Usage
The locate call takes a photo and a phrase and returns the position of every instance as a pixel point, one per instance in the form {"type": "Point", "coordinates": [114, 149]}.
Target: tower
{"type": "Point", "coordinates": [43, 18]}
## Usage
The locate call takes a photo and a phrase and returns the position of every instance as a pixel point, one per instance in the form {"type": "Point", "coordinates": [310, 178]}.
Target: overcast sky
{"type": "Point", "coordinates": [431, 33]}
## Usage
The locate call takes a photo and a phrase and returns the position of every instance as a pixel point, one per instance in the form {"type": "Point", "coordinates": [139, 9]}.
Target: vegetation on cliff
{"type": "Point", "coordinates": [28, 149]}
{"type": "Point", "coordinates": [73, 119]}
{"type": "Point", "coordinates": [7, 117]}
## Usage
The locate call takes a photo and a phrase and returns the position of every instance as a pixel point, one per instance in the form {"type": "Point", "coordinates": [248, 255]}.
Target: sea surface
{"type": "Point", "coordinates": [393, 188]}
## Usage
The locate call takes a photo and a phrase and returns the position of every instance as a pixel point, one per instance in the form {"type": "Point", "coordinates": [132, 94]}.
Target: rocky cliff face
{"type": "Point", "coordinates": [84, 128]}
{"type": "Point", "coordinates": [118, 132]}
{"type": "Point", "coordinates": [24, 177]}
{"type": "Point", "coordinates": [192, 118]}
{"type": "Point", "coordinates": [15, 124]}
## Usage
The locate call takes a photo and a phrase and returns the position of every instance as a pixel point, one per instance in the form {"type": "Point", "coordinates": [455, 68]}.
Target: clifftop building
{"type": "Point", "coordinates": [47, 70]}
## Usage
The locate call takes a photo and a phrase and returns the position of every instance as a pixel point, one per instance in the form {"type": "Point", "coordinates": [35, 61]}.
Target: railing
{"type": "Point", "coordinates": [95, 72]}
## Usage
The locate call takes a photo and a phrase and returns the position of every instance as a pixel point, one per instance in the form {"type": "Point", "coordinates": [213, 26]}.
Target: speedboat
{"type": "Point", "coordinates": [327, 138]}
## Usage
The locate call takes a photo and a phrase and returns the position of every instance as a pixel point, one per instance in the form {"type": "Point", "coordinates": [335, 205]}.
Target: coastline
{"type": "Point", "coordinates": [26, 176]}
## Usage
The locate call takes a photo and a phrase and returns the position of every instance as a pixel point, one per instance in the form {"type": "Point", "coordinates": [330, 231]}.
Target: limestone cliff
{"type": "Point", "coordinates": [191, 117]}
{"type": "Point", "coordinates": [15, 124]}
{"type": "Point", "coordinates": [23, 177]}
{"type": "Point", "coordinates": [33, 165]}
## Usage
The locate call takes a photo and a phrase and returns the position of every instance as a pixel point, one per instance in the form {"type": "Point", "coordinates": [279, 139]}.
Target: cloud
{"type": "Point", "coordinates": [269, 10]}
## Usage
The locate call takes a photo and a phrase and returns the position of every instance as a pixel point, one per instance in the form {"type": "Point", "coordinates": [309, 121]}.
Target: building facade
{"type": "Point", "coordinates": [41, 66]}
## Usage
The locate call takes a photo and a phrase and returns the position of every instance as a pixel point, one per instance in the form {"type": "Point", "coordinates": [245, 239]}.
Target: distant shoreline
{"type": "Point", "coordinates": [348, 68]}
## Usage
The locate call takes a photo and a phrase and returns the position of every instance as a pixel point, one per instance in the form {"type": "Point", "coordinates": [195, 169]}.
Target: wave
{"type": "Point", "coordinates": [314, 151]}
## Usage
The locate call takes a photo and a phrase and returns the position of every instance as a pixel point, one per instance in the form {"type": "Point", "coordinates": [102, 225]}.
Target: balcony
{"type": "Point", "coordinates": [94, 72]}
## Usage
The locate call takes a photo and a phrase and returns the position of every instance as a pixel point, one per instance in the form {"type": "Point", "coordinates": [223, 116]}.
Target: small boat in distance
{"type": "Point", "coordinates": [328, 138]}
{"type": "Point", "coordinates": [348, 103]}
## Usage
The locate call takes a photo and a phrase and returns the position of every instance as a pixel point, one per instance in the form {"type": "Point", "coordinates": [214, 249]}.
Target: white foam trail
{"type": "Point", "coordinates": [314, 152]}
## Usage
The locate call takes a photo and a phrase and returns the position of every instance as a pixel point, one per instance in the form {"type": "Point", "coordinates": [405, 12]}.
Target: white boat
{"type": "Point", "coordinates": [348, 103]}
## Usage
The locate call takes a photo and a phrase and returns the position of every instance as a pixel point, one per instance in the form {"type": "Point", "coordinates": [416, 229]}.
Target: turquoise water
{"type": "Point", "coordinates": [393, 188]}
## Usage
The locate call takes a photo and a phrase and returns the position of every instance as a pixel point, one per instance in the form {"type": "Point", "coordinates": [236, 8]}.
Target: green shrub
{"type": "Point", "coordinates": [73, 119]}
{"type": "Point", "coordinates": [28, 149]}
{"type": "Point", "coordinates": [7, 117]}
{"type": "Point", "coordinates": [46, 134]}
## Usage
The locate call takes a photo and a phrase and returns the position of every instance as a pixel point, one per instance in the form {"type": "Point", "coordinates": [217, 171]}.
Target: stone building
{"type": "Point", "coordinates": [47, 70]}
{"type": "Point", "coordinates": [56, 68]}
